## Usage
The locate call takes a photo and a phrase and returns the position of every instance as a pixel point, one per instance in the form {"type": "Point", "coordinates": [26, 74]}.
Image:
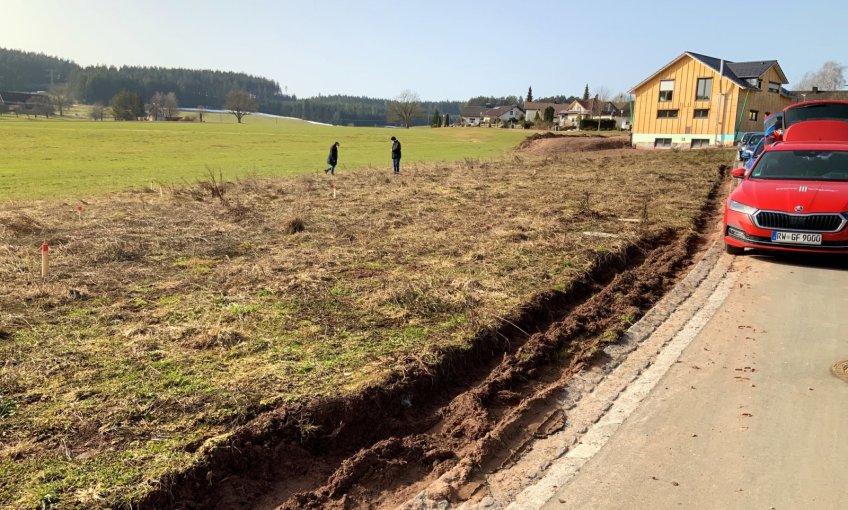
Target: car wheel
{"type": "Point", "coordinates": [733, 250]}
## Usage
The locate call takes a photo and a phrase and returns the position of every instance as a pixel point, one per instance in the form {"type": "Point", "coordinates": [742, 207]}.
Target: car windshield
{"type": "Point", "coordinates": [814, 165]}
{"type": "Point", "coordinates": [754, 139]}
{"type": "Point", "coordinates": [820, 111]}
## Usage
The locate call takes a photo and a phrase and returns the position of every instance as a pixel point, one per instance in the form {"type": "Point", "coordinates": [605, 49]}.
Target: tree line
{"type": "Point", "coordinates": [207, 89]}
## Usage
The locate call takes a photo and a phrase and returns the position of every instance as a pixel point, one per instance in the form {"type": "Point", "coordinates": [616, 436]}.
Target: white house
{"type": "Point", "coordinates": [503, 114]}
{"type": "Point", "coordinates": [471, 115]}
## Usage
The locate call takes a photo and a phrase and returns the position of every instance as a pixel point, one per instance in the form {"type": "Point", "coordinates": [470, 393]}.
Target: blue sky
{"type": "Point", "coordinates": [440, 49]}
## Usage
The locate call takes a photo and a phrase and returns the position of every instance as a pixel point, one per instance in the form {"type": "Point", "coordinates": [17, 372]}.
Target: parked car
{"type": "Point", "coordinates": [747, 143]}
{"type": "Point", "coordinates": [749, 157]}
{"type": "Point", "coordinates": [794, 199]}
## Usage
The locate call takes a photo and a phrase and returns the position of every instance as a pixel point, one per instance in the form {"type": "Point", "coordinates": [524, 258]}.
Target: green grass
{"type": "Point", "coordinates": [66, 159]}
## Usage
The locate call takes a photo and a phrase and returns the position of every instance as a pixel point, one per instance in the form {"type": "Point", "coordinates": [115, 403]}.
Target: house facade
{"type": "Point", "coordinates": [471, 115]}
{"type": "Point", "coordinates": [503, 114]}
{"type": "Point", "coordinates": [573, 113]}
{"type": "Point", "coordinates": [534, 110]}
{"type": "Point", "coordinates": [696, 101]}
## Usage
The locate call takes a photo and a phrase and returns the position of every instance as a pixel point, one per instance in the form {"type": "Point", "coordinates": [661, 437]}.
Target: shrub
{"type": "Point", "coordinates": [606, 124]}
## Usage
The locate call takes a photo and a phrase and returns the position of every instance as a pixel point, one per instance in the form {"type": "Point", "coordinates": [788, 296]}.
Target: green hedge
{"type": "Point", "coordinates": [606, 124]}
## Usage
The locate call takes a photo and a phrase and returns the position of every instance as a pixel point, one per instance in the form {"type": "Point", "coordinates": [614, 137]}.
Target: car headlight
{"type": "Point", "coordinates": [740, 207]}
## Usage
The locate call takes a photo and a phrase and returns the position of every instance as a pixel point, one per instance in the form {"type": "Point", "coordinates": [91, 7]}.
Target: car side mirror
{"type": "Point", "coordinates": [746, 155]}
{"type": "Point", "coordinates": [738, 172]}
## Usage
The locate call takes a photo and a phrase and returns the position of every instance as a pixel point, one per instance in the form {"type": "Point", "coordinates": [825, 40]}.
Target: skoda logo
{"type": "Point", "coordinates": [799, 208]}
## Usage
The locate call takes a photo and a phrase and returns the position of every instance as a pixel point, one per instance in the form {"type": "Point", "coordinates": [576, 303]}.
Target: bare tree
{"type": "Point", "coordinates": [405, 108]}
{"type": "Point", "coordinates": [831, 76]}
{"type": "Point", "coordinates": [157, 103]}
{"type": "Point", "coordinates": [240, 103]}
{"type": "Point", "coordinates": [39, 105]}
{"type": "Point", "coordinates": [621, 97]}
{"type": "Point", "coordinates": [200, 111]}
{"type": "Point", "coordinates": [96, 112]}
{"type": "Point", "coordinates": [61, 95]}
{"type": "Point", "coordinates": [170, 105]}
{"type": "Point", "coordinates": [602, 93]}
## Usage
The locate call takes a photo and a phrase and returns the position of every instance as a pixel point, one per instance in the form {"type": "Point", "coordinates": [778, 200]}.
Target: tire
{"type": "Point", "coordinates": [733, 250]}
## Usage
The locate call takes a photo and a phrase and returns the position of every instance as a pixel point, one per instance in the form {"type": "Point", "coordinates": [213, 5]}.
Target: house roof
{"type": "Point", "coordinates": [472, 111]}
{"type": "Point", "coordinates": [750, 69]}
{"type": "Point", "coordinates": [500, 110]}
{"type": "Point", "coordinates": [733, 71]}
{"type": "Point", "coordinates": [586, 104]}
{"type": "Point", "coordinates": [532, 105]}
{"type": "Point", "coordinates": [10, 97]}
{"type": "Point", "coordinates": [811, 95]}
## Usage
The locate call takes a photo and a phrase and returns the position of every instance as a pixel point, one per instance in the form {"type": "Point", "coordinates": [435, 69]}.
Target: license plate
{"type": "Point", "coordinates": [795, 238]}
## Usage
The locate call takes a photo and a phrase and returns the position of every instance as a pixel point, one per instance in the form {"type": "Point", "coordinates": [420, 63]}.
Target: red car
{"type": "Point", "coordinates": [795, 198]}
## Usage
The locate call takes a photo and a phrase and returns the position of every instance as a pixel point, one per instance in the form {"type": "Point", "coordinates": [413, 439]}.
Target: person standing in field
{"type": "Point", "coordinates": [396, 155]}
{"type": "Point", "coordinates": [333, 159]}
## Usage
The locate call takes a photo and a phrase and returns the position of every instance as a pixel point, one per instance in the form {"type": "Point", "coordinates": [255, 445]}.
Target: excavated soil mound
{"type": "Point", "coordinates": [546, 143]}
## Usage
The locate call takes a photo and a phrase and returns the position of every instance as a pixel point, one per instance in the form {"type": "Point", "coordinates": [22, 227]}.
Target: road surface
{"type": "Point", "coordinates": [749, 415]}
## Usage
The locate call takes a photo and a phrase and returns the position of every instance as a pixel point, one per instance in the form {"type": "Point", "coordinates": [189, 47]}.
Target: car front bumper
{"type": "Point", "coordinates": [740, 231]}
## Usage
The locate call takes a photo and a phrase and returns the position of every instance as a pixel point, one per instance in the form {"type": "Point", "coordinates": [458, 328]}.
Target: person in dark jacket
{"type": "Point", "coordinates": [396, 155]}
{"type": "Point", "coordinates": [333, 159]}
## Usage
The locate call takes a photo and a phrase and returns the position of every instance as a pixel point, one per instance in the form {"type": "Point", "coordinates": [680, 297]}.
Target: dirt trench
{"type": "Point", "coordinates": [467, 416]}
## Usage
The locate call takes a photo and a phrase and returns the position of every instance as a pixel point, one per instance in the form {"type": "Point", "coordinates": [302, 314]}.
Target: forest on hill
{"type": "Point", "coordinates": [29, 72]}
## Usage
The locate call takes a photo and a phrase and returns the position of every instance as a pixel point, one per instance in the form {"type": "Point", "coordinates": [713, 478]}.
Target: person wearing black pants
{"type": "Point", "coordinates": [333, 159]}
{"type": "Point", "coordinates": [396, 155]}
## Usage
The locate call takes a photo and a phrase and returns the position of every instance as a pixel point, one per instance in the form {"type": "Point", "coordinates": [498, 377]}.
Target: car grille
{"type": "Point", "coordinates": [805, 222]}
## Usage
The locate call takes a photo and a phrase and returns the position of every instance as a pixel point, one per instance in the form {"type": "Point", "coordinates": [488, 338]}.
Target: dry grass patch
{"type": "Point", "coordinates": [172, 317]}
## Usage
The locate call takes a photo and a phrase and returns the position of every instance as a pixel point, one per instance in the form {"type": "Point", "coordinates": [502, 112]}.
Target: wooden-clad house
{"type": "Point", "coordinates": [696, 100]}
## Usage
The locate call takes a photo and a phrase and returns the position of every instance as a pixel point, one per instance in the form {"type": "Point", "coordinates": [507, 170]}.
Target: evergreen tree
{"type": "Point", "coordinates": [549, 114]}
{"type": "Point", "coordinates": [127, 105]}
{"type": "Point", "coordinates": [436, 120]}
{"type": "Point", "coordinates": [586, 93]}
{"type": "Point", "coordinates": [447, 120]}
{"type": "Point", "coordinates": [529, 94]}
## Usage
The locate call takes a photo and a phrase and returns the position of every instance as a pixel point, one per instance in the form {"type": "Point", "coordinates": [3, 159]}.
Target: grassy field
{"type": "Point", "coordinates": [74, 159]}
{"type": "Point", "coordinates": [172, 318]}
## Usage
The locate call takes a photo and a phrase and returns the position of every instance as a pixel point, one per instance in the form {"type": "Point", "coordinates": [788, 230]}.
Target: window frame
{"type": "Point", "coordinates": [668, 113]}
{"type": "Point", "coordinates": [708, 91]}
{"type": "Point", "coordinates": [776, 88]}
{"type": "Point", "coordinates": [759, 83]}
{"type": "Point", "coordinates": [753, 115]}
{"type": "Point", "coordinates": [699, 142]}
{"type": "Point", "coordinates": [705, 110]}
{"type": "Point", "coordinates": [662, 142]}
{"type": "Point", "coordinates": [669, 92]}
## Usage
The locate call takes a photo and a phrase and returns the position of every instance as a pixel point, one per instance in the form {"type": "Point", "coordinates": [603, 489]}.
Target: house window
{"type": "Point", "coordinates": [753, 115]}
{"type": "Point", "coordinates": [755, 82]}
{"type": "Point", "coordinates": [666, 114]}
{"type": "Point", "coordinates": [666, 90]}
{"type": "Point", "coordinates": [704, 90]}
{"type": "Point", "coordinates": [662, 142]}
{"type": "Point", "coordinates": [701, 113]}
{"type": "Point", "coordinates": [700, 142]}
{"type": "Point", "coordinates": [774, 87]}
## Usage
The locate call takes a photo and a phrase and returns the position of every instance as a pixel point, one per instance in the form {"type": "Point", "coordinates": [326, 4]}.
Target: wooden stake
{"type": "Point", "coordinates": [79, 212]}
{"type": "Point", "coordinates": [334, 190]}
{"type": "Point", "coordinates": [44, 260]}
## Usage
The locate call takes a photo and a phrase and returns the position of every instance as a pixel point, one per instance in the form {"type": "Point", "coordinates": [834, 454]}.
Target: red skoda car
{"type": "Point", "coordinates": [794, 198]}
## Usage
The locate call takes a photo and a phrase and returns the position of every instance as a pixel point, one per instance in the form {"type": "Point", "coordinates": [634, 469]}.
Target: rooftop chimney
{"type": "Point", "coordinates": [815, 90]}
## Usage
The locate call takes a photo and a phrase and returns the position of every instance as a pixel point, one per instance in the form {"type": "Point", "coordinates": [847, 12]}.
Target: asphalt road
{"type": "Point", "coordinates": [750, 415]}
